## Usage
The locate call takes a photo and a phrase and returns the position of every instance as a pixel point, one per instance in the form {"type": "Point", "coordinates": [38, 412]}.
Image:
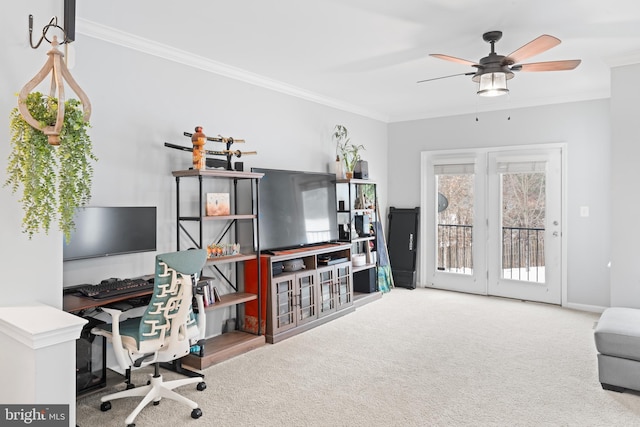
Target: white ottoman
{"type": "Point", "coordinates": [617, 337]}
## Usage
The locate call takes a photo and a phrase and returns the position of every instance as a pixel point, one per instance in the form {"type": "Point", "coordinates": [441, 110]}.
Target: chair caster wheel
{"type": "Point", "coordinates": [131, 425]}
{"type": "Point", "coordinates": [201, 386]}
{"type": "Point", "coordinates": [105, 406]}
{"type": "Point", "coordinates": [130, 386]}
{"type": "Point", "coordinates": [196, 413]}
{"type": "Point", "coordinates": [156, 403]}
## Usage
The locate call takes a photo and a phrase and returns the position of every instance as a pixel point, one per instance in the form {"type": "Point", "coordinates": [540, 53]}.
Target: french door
{"type": "Point", "coordinates": [492, 222]}
{"type": "Point", "coordinates": [525, 225]}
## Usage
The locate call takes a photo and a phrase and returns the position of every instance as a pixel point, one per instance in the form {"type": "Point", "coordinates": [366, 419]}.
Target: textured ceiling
{"type": "Point", "coordinates": [367, 55]}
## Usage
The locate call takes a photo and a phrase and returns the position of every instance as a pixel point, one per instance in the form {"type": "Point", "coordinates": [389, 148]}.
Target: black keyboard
{"type": "Point", "coordinates": [115, 288]}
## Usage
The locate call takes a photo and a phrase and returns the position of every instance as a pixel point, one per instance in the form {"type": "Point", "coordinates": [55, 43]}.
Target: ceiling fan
{"type": "Point", "coordinates": [493, 71]}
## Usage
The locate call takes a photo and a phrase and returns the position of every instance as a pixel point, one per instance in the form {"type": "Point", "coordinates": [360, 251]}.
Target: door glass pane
{"type": "Point", "coordinates": [307, 297]}
{"type": "Point", "coordinates": [523, 222]}
{"type": "Point", "coordinates": [284, 303]}
{"type": "Point", "coordinates": [455, 222]}
{"type": "Point", "coordinates": [326, 285]}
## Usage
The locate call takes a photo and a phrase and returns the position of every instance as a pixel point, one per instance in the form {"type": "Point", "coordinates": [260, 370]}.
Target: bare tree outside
{"type": "Point", "coordinates": [455, 223]}
{"type": "Point", "coordinates": [523, 221]}
{"type": "Point", "coordinates": [523, 200]}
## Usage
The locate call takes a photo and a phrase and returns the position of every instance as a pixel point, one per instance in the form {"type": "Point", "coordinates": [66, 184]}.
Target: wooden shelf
{"type": "Point", "coordinates": [230, 258]}
{"type": "Point", "coordinates": [232, 299]}
{"type": "Point", "coordinates": [227, 217]}
{"type": "Point", "coordinates": [355, 181]}
{"type": "Point", "coordinates": [362, 211]}
{"type": "Point", "coordinates": [363, 239]}
{"type": "Point", "coordinates": [310, 250]}
{"type": "Point", "coordinates": [363, 267]}
{"type": "Point", "coordinates": [224, 347]}
{"type": "Point", "coordinates": [220, 173]}
{"type": "Point", "coordinates": [217, 217]}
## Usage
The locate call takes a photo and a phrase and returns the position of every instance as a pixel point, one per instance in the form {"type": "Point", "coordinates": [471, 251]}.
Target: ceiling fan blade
{"type": "Point", "coordinates": [453, 59]}
{"type": "Point", "coordinates": [548, 66]}
{"type": "Point", "coordinates": [534, 47]}
{"type": "Point", "coordinates": [446, 77]}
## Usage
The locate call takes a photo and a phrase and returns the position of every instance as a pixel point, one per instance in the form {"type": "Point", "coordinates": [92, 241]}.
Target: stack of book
{"type": "Point", "coordinates": [210, 294]}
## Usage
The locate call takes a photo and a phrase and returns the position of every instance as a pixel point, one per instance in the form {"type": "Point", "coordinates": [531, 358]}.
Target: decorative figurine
{"type": "Point", "coordinates": [198, 139]}
{"type": "Point", "coordinates": [201, 162]}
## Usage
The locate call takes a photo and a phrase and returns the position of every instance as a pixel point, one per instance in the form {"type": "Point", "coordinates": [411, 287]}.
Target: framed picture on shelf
{"type": "Point", "coordinates": [217, 204]}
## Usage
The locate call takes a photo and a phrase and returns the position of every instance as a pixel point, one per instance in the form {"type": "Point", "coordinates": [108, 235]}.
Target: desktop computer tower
{"type": "Point", "coordinates": [91, 352]}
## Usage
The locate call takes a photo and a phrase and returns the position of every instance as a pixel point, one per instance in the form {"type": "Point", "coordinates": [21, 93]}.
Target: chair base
{"type": "Point", "coordinates": [154, 392]}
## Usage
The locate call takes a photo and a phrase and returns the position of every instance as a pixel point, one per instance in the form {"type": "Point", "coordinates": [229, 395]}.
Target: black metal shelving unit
{"type": "Point", "coordinates": [221, 347]}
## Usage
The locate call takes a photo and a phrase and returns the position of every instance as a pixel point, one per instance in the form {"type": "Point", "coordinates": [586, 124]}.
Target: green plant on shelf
{"type": "Point", "coordinates": [348, 152]}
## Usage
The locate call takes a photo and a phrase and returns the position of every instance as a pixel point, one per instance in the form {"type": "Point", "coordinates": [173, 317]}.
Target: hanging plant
{"type": "Point", "coordinates": [55, 180]}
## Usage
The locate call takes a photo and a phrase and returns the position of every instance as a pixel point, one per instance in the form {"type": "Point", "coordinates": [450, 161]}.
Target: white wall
{"type": "Point", "coordinates": [625, 274]}
{"type": "Point", "coordinates": [139, 102]}
{"type": "Point", "coordinates": [151, 101]}
{"type": "Point", "coordinates": [35, 266]}
{"type": "Point", "coordinates": [584, 126]}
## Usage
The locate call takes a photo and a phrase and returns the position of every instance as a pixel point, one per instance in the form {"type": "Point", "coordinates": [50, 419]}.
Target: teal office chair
{"type": "Point", "coordinates": [164, 333]}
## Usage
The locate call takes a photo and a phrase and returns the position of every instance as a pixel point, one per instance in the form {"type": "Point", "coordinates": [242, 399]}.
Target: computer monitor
{"type": "Point", "coordinates": [108, 231]}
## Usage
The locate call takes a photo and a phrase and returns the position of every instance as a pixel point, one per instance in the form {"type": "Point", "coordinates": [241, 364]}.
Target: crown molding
{"type": "Point", "coordinates": [622, 60]}
{"type": "Point", "coordinates": [150, 47]}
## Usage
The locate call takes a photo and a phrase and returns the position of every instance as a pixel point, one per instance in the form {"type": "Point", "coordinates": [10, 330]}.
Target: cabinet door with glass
{"type": "Point", "coordinates": [326, 285]}
{"type": "Point", "coordinates": [306, 296]}
{"type": "Point", "coordinates": [343, 285]}
{"type": "Point", "coordinates": [283, 303]}
{"type": "Point", "coordinates": [335, 290]}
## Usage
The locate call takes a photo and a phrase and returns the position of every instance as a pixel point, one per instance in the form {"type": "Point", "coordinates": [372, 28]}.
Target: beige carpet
{"type": "Point", "coordinates": [413, 358]}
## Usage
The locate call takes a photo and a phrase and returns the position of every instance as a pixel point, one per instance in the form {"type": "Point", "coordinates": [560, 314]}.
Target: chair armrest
{"type": "Point", "coordinates": [114, 336]}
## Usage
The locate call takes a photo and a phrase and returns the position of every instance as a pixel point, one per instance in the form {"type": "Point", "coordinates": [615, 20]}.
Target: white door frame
{"type": "Point", "coordinates": [428, 202]}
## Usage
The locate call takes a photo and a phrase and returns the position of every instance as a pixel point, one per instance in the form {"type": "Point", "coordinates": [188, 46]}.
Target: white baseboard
{"type": "Point", "coordinates": [585, 307]}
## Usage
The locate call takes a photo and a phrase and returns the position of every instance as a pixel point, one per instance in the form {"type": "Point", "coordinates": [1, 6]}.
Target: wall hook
{"type": "Point", "coordinates": [53, 23]}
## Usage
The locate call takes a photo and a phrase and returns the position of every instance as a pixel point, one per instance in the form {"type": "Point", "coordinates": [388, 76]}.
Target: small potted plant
{"type": "Point", "coordinates": [350, 152]}
{"type": "Point", "coordinates": [55, 179]}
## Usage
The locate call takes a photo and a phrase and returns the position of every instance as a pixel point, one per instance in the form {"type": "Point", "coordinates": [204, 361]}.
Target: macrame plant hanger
{"type": "Point", "coordinates": [59, 72]}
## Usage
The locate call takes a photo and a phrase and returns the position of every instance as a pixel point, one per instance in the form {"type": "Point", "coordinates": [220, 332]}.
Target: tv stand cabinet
{"type": "Point", "coordinates": [297, 301]}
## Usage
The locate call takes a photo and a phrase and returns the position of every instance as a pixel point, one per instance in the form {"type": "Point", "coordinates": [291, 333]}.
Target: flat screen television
{"type": "Point", "coordinates": [296, 208]}
{"type": "Point", "coordinates": [107, 231]}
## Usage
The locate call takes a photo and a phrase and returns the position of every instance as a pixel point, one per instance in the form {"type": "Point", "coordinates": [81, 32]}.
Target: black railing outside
{"type": "Point", "coordinates": [522, 251]}
{"type": "Point", "coordinates": [454, 248]}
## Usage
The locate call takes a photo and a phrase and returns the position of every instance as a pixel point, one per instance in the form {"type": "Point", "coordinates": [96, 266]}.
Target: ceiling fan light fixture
{"type": "Point", "coordinates": [493, 84]}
